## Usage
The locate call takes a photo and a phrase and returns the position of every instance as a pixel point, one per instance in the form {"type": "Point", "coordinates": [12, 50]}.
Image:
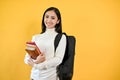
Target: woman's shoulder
{"type": "Point", "coordinates": [37, 35]}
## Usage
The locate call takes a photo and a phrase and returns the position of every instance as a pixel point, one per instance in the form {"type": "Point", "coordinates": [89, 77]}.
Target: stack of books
{"type": "Point", "coordinates": [32, 49]}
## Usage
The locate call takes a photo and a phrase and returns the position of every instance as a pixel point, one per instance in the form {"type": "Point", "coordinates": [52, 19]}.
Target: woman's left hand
{"type": "Point", "coordinates": [40, 59]}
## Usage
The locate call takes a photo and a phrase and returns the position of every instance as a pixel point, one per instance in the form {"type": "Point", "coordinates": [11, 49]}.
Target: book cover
{"type": "Point", "coordinates": [32, 49]}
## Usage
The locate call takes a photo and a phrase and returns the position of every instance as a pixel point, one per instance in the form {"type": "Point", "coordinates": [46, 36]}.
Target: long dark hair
{"type": "Point", "coordinates": [58, 27]}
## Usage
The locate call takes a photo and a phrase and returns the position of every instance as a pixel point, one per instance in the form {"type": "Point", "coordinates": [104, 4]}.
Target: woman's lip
{"type": "Point", "coordinates": [49, 24]}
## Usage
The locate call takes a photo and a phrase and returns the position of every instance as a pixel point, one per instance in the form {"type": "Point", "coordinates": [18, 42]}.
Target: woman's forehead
{"type": "Point", "coordinates": [52, 13]}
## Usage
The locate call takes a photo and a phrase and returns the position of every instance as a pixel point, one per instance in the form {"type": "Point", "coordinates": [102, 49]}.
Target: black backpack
{"type": "Point", "coordinates": [65, 69]}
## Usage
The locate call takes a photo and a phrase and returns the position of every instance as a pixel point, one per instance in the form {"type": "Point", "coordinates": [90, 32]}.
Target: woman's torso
{"type": "Point", "coordinates": [45, 43]}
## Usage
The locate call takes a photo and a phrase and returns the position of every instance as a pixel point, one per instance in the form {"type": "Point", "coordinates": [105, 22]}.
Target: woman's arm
{"type": "Point", "coordinates": [58, 56]}
{"type": "Point", "coordinates": [27, 57]}
{"type": "Point", "coordinates": [28, 60]}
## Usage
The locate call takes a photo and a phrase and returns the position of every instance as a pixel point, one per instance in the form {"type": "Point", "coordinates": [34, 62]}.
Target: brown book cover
{"type": "Point", "coordinates": [32, 49]}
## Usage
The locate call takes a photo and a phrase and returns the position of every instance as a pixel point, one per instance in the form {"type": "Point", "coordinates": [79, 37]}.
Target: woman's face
{"type": "Point", "coordinates": [50, 19]}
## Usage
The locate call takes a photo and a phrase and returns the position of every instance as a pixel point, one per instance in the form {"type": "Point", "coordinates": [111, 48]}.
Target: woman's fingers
{"type": "Point", "coordinates": [40, 59]}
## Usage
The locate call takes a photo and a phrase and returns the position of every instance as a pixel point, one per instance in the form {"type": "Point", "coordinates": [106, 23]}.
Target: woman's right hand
{"type": "Point", "coordinates": [40, 58]}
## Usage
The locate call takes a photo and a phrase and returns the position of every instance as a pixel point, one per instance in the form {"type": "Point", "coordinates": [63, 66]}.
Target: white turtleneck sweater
{"type": "Point", "coordinates": [45, 42]}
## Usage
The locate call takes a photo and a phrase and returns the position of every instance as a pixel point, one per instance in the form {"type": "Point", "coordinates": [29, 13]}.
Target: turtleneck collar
{"type": "Point", "coordinates": [50, 30]}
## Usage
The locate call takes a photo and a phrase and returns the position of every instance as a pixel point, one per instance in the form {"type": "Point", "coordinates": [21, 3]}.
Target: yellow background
{"type": "Point", "coordinates": [94, 23]}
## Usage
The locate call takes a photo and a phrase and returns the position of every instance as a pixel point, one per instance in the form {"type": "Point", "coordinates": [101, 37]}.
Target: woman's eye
{"type": "Point", "coordinates": [53, 18]}
{"type": "Point", "coordinates": [47, 16]}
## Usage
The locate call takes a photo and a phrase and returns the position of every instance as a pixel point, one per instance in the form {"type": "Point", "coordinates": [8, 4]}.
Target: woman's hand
{"type": "Point", "coordinates": [40, 59]}
{"type": "Point", "coordinates": [30, 62]}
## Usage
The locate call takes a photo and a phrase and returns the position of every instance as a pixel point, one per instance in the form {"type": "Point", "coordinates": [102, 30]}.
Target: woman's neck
{"type": "Point", "coordinates": [50, 30]}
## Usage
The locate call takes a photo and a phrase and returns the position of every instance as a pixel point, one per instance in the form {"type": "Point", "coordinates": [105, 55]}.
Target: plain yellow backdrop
{"type": "Point", "coordinates": [94, 23]}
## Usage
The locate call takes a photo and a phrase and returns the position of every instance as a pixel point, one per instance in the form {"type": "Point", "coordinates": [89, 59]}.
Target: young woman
{"type": "Point", "coordinates": [44, 67]}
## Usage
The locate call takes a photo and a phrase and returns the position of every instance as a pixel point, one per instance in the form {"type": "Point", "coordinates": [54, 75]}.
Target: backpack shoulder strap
{"type": "Point", "coordinates": [57, 40]}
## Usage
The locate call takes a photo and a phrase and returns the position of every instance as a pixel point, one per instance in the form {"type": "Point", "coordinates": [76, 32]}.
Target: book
{"type": "Point", "coordinates": [32, 49]}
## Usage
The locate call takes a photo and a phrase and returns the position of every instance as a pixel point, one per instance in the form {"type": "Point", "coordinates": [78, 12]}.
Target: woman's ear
{"type": "Point", "coordinates": [58, 21]}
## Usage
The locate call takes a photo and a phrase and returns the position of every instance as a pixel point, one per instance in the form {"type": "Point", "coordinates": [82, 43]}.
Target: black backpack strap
{"type": "Point", "coordinates": [57, 40]}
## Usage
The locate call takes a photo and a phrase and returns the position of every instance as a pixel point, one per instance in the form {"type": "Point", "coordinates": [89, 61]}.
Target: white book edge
{"type": "Point", "coordinates": [30, 48]}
